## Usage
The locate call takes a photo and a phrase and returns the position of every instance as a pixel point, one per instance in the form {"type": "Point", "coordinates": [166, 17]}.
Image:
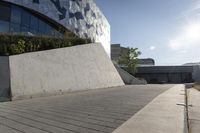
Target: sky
{"type": "Point", "coordinates": [165, 30]}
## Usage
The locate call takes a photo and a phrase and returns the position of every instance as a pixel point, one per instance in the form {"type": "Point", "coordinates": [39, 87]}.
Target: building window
{"type": "Point", "coordinates": [4, 26]}
{"type": "Point", "coordinates": [49, 30]}
{"type": "Point", "coordinates": [34, 23]}
{"type": "Point", "coordinates": [4, 12]}
{"type": "Point", "coordinates": [14, 28]}
{"type": "Point", "coordinates": [24, 29]}
{"type": "Point", "coordinates": [34, 31]}
{"type": "Point", "coordinates": [42, 27]}
{"type": "Point", "coordinates": [15, 19]}
{"type": "Point", "coordinates": [16, 15]}
{"type": "Point", "coordinates": [25, 19]}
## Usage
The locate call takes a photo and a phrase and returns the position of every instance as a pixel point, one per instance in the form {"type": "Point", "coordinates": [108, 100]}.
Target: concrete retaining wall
{"type": "Point", "coordinates": [4, 79]}
{"type": "Point", "coordinates": [62, 70]}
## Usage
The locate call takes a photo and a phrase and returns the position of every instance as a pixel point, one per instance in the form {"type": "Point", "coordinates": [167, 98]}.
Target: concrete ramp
{"type": "Point", "coordinates": [61, 70]}
{"type": "Point", "coordinates": [128, 78]}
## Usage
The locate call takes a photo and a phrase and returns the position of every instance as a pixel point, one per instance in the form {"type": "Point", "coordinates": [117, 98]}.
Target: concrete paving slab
{"type": "Point", "coordinates": [93, 111]}
{"type": "Point", "coordinates": [162, 115]}
{"type": "Point", "coordinates": [194, 111]}
{"type": "Point", "coordinates": [6, 129]}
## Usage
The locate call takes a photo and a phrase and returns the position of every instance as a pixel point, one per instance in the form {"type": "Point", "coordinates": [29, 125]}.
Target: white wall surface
{"type": "Point", "coordinates": [62, 70]}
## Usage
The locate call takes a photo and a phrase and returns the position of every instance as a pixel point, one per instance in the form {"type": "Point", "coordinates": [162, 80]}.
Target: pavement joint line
{"type": "Point", "coordinates": [54, 111]}
{"type": "Point", "coordinates": [92, 114]}
{"type": "Point", "coordinates": [35, 121]}
{"type": "Point", "coordinates": [68, 122]}
{"type": "Point", "coordinates": [12, 127]}
{"type": "Point", "coordinates": [77, 107]}
{"type": "Point", "coordinates": [194, 117]}
{"type": "Point", "coordinates": [59, 116]}
{"type": "Point", "coordinates": [24, 124]}
{"type": "Point", "coordinates": [52, 124]}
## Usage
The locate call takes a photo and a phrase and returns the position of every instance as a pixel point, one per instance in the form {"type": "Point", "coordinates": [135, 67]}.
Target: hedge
{"type": "Point", "coordinates": [18, 44]}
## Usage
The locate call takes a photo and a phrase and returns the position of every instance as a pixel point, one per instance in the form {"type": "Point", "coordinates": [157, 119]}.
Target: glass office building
{"type": "Point", "coordinates": [55, 18]}
{"type": "Point", "coordinates": [17, 20]}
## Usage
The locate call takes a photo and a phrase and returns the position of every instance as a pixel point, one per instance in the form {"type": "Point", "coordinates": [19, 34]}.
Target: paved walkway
{"type": "Point", "coordinates": [194, 111]}
{"type": "Point", "coordinates": [94, 111]}
{"type": "Point", "coordinates": [162, 115]}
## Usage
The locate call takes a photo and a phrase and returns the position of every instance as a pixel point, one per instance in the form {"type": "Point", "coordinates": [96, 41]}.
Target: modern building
{"type": "Point", "coordinates": [56, 71]}
{"type": "Point", "coordinates": [55, 18]}
{"type": "Point", "coordinates": [192, 64]}
{"type": "Point", "coordinates": [169, 74]}
{"type": "Point", "coordinates": [146, 62]}
{"type": "Point", "coordinates": [117, 51]}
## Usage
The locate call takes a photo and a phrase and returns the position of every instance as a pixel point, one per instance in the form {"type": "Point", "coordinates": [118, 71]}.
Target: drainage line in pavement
{"type": "Point", "coordinates": [186, 108]}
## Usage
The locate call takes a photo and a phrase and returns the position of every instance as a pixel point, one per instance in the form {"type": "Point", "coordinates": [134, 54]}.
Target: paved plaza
{"type": "Point", "coordinates": [93, 111]}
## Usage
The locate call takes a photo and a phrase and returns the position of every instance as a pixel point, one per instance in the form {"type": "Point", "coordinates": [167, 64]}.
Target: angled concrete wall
{"type": "Point", "coordinates": [62, 70]}
{"type": "Point", "coordinates": [4, 79]}
{"type": "Point", "coordinates": [128, 78]}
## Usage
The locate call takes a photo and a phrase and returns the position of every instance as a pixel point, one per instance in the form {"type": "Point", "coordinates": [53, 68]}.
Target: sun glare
{"type": "Point", "coordinates": [193, 31]}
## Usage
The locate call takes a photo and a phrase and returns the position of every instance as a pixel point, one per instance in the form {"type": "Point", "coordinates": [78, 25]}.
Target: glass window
{"type": "Point", "coordinates": [49, 30]}
{"type": "Point", "coordinates": [34, 23]}
{"type": "Point", "coordinates": [14, 28]}
{"type": "Point", "coordinates": [57, 34]}
{"type": "Point", "coordinates": [24, 29]}
{"type": "Point", "coordinates": [15, 19]}
{"type": "Point", "coordinates": [16, 15]}
{"type": "Point", "coordinates": [34, 31]}
{"type": "Point", "coordinates": [42, 26]}
{"type": "Point", "coordinates": [4, 12]}
{"type": "Point", "coordinates": [25, 18]}
{"type": "Point", "coordinates": [4, 26]}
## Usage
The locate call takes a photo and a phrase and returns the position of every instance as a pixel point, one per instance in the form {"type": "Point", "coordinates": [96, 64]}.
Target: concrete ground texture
{"type": "Point", "coordinates": [162, 115]}
{"type": "Point", "coordinates": [194, 110]}
{"type": "Point", "coordinates": [148, 109]}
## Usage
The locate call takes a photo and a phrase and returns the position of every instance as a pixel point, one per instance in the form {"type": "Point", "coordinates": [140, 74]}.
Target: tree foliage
{"type": "Point", "coordinates": [129, 60]}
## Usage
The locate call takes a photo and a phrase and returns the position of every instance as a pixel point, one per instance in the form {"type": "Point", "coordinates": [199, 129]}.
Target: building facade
{"type": "Point", "coordinates": [146, 62]}
{"type": "Point", "coordinates": [54, 17]}
{"type": "Point", "coordinates": [117, 51]}
{"type": "Point", "coordinates": [169, 74]}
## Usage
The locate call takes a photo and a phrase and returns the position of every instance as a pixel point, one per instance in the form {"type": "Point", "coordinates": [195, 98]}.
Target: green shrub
{"type": "Point", "coordinates": [20, 47]}
{"type": "Point", "coordinates": [18, 44]}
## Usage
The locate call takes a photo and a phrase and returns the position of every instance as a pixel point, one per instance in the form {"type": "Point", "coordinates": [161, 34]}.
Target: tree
{"type": "Point", "coordinates": [129, 60]}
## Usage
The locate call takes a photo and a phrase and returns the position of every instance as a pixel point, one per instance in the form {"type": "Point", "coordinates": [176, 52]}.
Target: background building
{"type": "Point", "coordinates": [147, 70]}
{"type": "Point", "coordinates": [117, 51]}
{"type": "Point", "coordinates": [169, 74]}
{"type": "Point", "coordinates": [54, 17]}
{"type": "Point", "coordinates": [146, 62]}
